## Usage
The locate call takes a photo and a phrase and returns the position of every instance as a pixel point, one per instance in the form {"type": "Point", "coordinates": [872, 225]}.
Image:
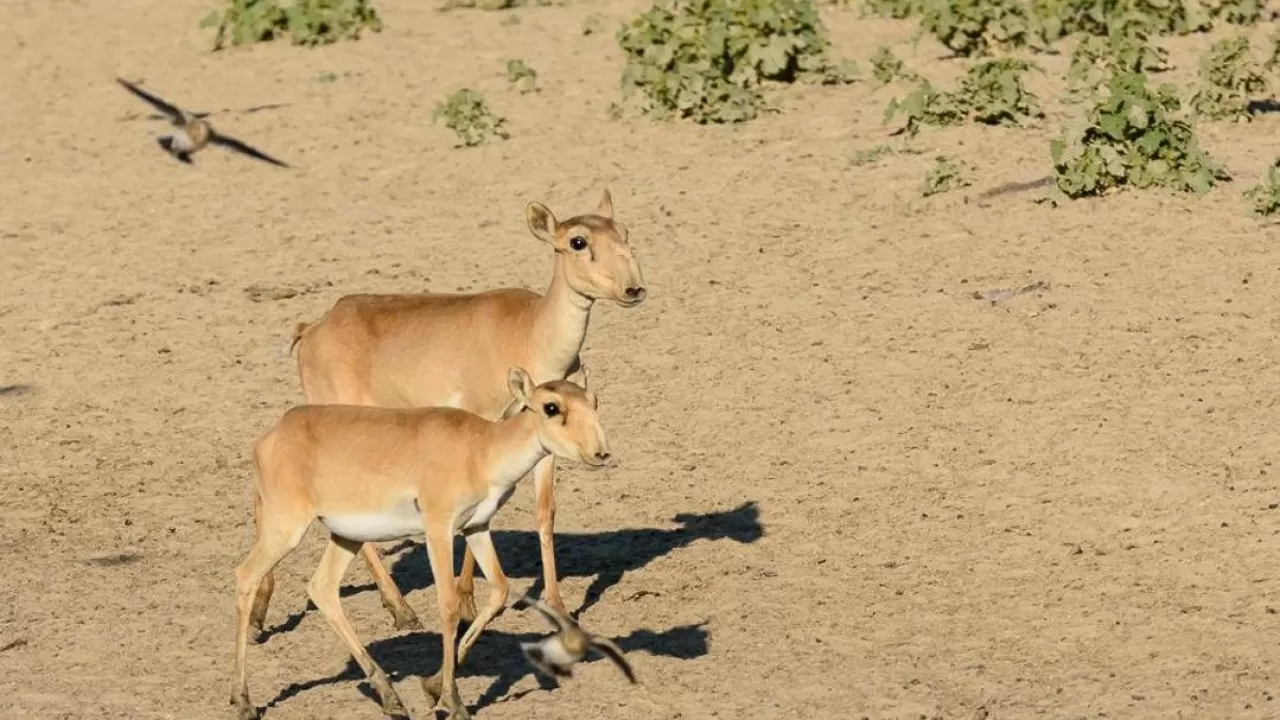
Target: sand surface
{"type": "Point", "coordinates": [847, 488]}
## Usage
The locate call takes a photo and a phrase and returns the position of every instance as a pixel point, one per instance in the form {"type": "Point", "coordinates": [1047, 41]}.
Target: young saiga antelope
{"type": "Point", "coordinates": [373, 474]}
{"type": "Point", "coordinates": [430, 349]}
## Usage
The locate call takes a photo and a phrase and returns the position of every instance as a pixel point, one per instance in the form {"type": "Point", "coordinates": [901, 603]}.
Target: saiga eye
{"type": "Point", "coordinates": [578, 243]}
{"type": "Point", "coordinates": [551, 410]}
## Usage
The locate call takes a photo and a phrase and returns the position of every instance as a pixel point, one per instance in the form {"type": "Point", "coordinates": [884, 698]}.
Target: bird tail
{"type": "Point", "coordinates": [166, 142]}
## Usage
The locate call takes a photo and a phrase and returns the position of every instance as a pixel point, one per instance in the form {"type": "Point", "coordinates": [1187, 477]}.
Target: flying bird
{"type": "Point", "coordinates": [193, 132]}
{"type": "Point", "coordinates": [555, 655]}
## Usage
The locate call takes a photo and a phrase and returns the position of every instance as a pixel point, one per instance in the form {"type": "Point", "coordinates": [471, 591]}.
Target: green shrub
{"type": "Point", "coordinates": [1236, 12]}
{"type": "Point", "coordinates": [1229, 79]}
{"type": "Point", "coordinates": [1132, 138]}
{"type": "Point", "coordinates": [466, 113]}
{"type": "Point", "coordinates": [492, 4]}
{"type": "Point", "coordinates": [305, 22]}
{"type": "Point", "coordinates": [1264, 198]}
{"type": "Point", "coordinates": [926, 105]}
{"type": "Point", "coordinates": [974, 27]}
{"type": "Point", "coordinates": [886, 67]}
{"type": "Point", "coordinates": [897, 9]}
{"type": "Point", "coordinates": [523, 77]}
{"type": "Point", "coordinates": [991, 93]}
{"type": "Point", "coordinates": [707, 59]}
{"type": "Point", "coordinates": [947, 174]}
{"type": "Point", "coordinates": [1097, 57]}
{"type": "Point", "coordinates": [1056, 18]}
{"type": "Point", "coordinates": [994, 94]}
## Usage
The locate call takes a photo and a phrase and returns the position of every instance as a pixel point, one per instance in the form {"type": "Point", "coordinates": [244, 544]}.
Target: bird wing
{"type": "Point", "coordinates": [560, 622]}
{"type": "Point", "coordinates": [614, 653]}
{"type": "Point", "coordinates": [173, 113]}
{"type": "Point", "coordinates": [233, 144]}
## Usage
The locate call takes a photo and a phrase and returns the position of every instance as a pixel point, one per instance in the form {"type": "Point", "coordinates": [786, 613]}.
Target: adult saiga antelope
{"type": "Point", "coordinates": [450, 350]}
{"type": "Point", "coordinates": [372, 474]}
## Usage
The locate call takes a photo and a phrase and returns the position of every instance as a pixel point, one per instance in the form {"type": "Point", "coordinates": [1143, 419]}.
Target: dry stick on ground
{"type": "Point", "coordinates": [421, 350]}
{"type": "Point", "coordinates": [372, 474]}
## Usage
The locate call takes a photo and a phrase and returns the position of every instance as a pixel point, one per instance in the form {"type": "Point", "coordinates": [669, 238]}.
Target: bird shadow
{"type": "Point", "coordinates": [496, 655]}
{"type": "Point", "coordinates": [1259, 107]}
{"type": "Point", "coordinates": [605, 557]}
{"type": "Point", "coordinates": [15, 389]}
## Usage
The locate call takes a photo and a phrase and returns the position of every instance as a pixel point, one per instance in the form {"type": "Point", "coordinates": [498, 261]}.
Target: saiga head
{"type": "Point", "coordinates": [568, 425]}
{"type": "Point", "coordinates": [595, 250]}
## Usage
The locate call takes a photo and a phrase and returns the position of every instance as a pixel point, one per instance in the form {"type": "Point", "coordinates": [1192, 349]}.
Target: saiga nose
{"type": "Point", "coordinates": [635, 293]}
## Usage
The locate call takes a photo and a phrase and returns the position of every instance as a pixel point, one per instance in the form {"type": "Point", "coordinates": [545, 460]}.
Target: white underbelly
{"type": "Point", "coordinates": [482, 513]}
{"type": "Point", "coordinates": [395, 524]}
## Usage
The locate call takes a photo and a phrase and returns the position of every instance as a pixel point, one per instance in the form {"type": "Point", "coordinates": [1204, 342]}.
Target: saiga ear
{"type": "Point", "coordinates": [605, 209]}
{"type": "Point", "coordinates": [521, 386]}
{"type": "Point", "coordinates": [542, 222]}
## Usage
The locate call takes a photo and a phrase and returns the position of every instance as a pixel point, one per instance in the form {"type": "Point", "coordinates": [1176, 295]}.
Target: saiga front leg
{"type": "Point", "coordinates": [544, 485]}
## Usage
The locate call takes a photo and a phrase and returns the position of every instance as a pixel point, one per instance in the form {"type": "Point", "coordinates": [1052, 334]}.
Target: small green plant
{"type": "Point", "coordinates": [1057, 18]}
{"type": "Point", "coordinates": [974, 27]}
{"type": "Point", "coordinates": [466, 113]}
{"type": "Point", "coordinates": [886, 67]}
{"type": "Point", "coordinates": [1272, 63]}
{"type": "Point", "coordinates": [869, 155]}
{"type": "Point", "coordinates": [926, 105]}
{"type": "Point", "coordinates": [492, 5]}
{"type": "Point", "coordinates": [1229, 79]}
{"type": "Point", "coordinates": [1236, 12]}
{"type": "Point", "coordinates": [1133, 138]}
{"type": "Point", "coordinates": [991, 93]}
{"type": "Point", "coordinates": [707, 59]}
{"type": "Point", "coordinates": [1097, 57]}
{"type": "Point", "coordinates": [305, 22]}
{"type": "Point", "coordinates": [947, 174]}
{"type": "Point", "coordinates": [523, 77]}
{"type": "Point", "coordinates": [1264, 198]}
{"type": "Point", "coordinates": [896, 9]}
{"type": "Point", "coordinates": [994, 94]}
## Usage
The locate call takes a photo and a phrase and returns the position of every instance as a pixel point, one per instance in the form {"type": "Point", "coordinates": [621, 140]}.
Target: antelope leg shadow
{"type": "Point", "coordinates": [418, 655]}
{"type": "Point", "coordinates": [604, 557]}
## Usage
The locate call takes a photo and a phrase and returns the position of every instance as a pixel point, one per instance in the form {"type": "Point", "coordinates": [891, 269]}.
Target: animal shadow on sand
{"type": "Point", "coordinates": [496, 655]}
{"type": "Point", "coordinates": [605, 556]}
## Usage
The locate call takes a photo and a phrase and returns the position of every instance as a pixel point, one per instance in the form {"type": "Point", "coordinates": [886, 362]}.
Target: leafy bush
{"type": "Point", "coordinates": [1265, 196]}
{"type": "Point", "coordinates": [946, 175]}
{"type": "Point", "coordinates": [991, 93]}
{"type": "Point", "coordinates": [1057, 18]}
{"type": "Point", "coordinates": [522, 76]}
{"type": "Point", "coordinates": [886, 67]}
{"type": "Point", "coordinates": [995, 95]}
{"type": "Point", "coordinates": [1229, 78]}
{"type": "Point", "coordinates": [1096, 58]}
{"type": "Point", "coordinates": [306, 22]}
{"type": "Point", "coordinates": [897, 9]}
{"type": "Point", "coordinates": [1236, 12]}
{"type": "Point", "coordinates": [706, 59]}
{"type": "Point", "coordinates": [926, 105]}
{"type": "Point", "coordinates": [1132, 138]}
{"type": "Point", "coordinates": [466, 113]}
{"type": "Point", "coordinates": [1272, 63]}
{"type": "Point", "coordinates": [492, 4]}
{"type": "Point", "coordinates": [974, 27]}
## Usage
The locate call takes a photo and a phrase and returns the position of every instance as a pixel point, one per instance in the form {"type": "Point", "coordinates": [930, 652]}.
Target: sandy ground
{"type": "Point", "coordinates": [848, 489]}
